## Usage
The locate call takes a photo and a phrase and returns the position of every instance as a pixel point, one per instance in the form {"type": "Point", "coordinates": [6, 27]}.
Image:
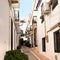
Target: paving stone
{"type": "Point", "coordinates": [27, 51]}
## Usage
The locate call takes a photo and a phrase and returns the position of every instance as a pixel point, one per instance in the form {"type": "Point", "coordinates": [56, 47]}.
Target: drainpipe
{"type": "Point", "coordinates": [33, 37]}
{"type": "Point", "coordinates": [46, 36]}
{"type": "Point", "coordinates": [31, 19]}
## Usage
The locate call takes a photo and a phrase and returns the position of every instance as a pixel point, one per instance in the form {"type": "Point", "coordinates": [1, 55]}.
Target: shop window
{"type": "Point", "coordinates": [57, 41]}
{"type": "Point", "coordinates": [55, 2]}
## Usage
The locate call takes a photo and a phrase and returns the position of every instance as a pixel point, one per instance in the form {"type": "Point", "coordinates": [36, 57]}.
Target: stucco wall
{"type": "Point", "coordinates": [4, 28]}
{"type": "Point", "coordinates": [52, 19]}
{"type": "Point", "coordinates": [15, 38]}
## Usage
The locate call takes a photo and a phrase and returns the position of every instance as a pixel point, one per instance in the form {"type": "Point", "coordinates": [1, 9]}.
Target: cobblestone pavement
{"type": "Point", "coordinates": [28, 52]}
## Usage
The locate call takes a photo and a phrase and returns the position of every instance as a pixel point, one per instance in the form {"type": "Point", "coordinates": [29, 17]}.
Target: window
{"type": "Point", "coordinates": [43, 44]}
{"type": "Point", "coordinates": [57, 41]}
{"type": "Point", "coordinates": [35, 40]}
{"type": "Point", "coordinates": [38, 4]}
{"type": "Point", "coordinates": [55, 2]}
{"type": "Point", "coordinates": [42, 19]}
{"type": "Point", "coordinates": [42, 13]}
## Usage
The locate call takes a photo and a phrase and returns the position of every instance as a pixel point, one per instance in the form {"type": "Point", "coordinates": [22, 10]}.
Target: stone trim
{"type": "Point", "coordinates": [57, 25]}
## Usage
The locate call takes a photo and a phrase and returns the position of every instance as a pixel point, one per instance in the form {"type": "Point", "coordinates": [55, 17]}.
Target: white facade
{"type": "Point", "coordinates": [5, 29]}
{"type": "Point", "coordinates": [51, 20]}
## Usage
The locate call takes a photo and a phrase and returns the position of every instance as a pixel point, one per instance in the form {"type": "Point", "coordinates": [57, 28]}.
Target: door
{"type": "Point", "coordinates": [35, 40]}
{"type": "Point", "coordinates": [43, 44]}
{"type": "Point", "coordinates": [57, 41]}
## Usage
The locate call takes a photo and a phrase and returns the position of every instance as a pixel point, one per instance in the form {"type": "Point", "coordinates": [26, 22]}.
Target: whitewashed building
{"type": "Point", "coordinates": [9, 30]}
{"type": "Point", "coordinates": [48, 28]}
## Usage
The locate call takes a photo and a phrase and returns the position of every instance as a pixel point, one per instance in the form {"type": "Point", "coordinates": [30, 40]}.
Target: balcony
{"type": "Point", "coordinates": [34, 22]}
{"type": "Point", "coordinates": [42, 18]}
{"type": "Point", "coordinates": [16, 15]}
{"type": "Point", "coordinates": [16, 19]}
{"type": "Point", "coordinates": [31, 27]}
{"type": "Point", "coordinates": [46, 9]}
{"type": "Point", "coordinates": [14, 3]}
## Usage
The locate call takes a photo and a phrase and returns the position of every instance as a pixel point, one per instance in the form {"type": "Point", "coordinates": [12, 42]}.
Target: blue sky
{"type": "Point", "coordinates": [25, 8]}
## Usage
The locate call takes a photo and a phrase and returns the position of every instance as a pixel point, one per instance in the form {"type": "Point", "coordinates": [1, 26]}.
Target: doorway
{"type": "Point", "coordinates": [57, 41]}
{"type": "Point", "coordinates": [43, 44]}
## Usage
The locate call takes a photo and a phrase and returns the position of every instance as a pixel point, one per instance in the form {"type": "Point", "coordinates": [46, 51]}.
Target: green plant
{"type": "Point", "coordinates": [15, 55]}
{"type": "Point", "coordinates": [21, 41]}
{"type": "Point", "coordinates": [27, 43]}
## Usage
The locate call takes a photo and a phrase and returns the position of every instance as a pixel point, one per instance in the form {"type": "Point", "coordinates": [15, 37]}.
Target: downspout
{"type": "Point", "coordinates": [46, 36]}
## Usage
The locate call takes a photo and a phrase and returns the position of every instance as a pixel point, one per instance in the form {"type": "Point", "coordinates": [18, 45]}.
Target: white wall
{"type": "Point", "coordinates": [52, 19]}
{"type": "Point", "coordinates": [4, 28]}
{"type": "Point", "coordinates": [15, 37]}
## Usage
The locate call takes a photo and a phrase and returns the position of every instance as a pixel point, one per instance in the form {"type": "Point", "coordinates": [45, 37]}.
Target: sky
{"type": "Point", "coordinates": [25, 8]}
{"type": "Point", "coordinates": [25, 11]}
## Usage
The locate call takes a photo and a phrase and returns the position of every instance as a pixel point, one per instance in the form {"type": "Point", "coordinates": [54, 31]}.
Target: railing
{"type": "Point", "coordinates": [45, 8]}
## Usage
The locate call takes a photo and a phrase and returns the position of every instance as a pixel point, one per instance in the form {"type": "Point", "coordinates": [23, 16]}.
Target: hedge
{"type": "Point", "coordinates": [15, 55]}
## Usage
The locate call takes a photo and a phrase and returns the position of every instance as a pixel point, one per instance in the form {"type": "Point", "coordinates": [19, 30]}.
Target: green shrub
{"type": "Point", "coordinates": [27, 43]}
{"type": "Point", "coordinates": [21, 41]}
{"type": "Point", "coordinates": [15, 55]}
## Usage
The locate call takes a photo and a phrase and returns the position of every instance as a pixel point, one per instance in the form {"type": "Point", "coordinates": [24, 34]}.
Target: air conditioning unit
{"type": "Point", "coordinates": [46, 8]}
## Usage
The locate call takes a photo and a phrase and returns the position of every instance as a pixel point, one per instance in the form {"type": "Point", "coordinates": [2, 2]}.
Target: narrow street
{"type": "Point", "coordinates": [27, 51]}
{"type": "Point", "coordinates": [33, 54]}
{"type": "Point", "coordinates": [32, 26]}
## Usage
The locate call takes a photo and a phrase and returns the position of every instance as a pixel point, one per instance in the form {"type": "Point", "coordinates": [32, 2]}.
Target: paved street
{"type": "Point", "coordinates": [40, 55]}
{"type": "Point", "coordinates": [33, 54]}
{"type": "Point", "coordinates": [28, 52]}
